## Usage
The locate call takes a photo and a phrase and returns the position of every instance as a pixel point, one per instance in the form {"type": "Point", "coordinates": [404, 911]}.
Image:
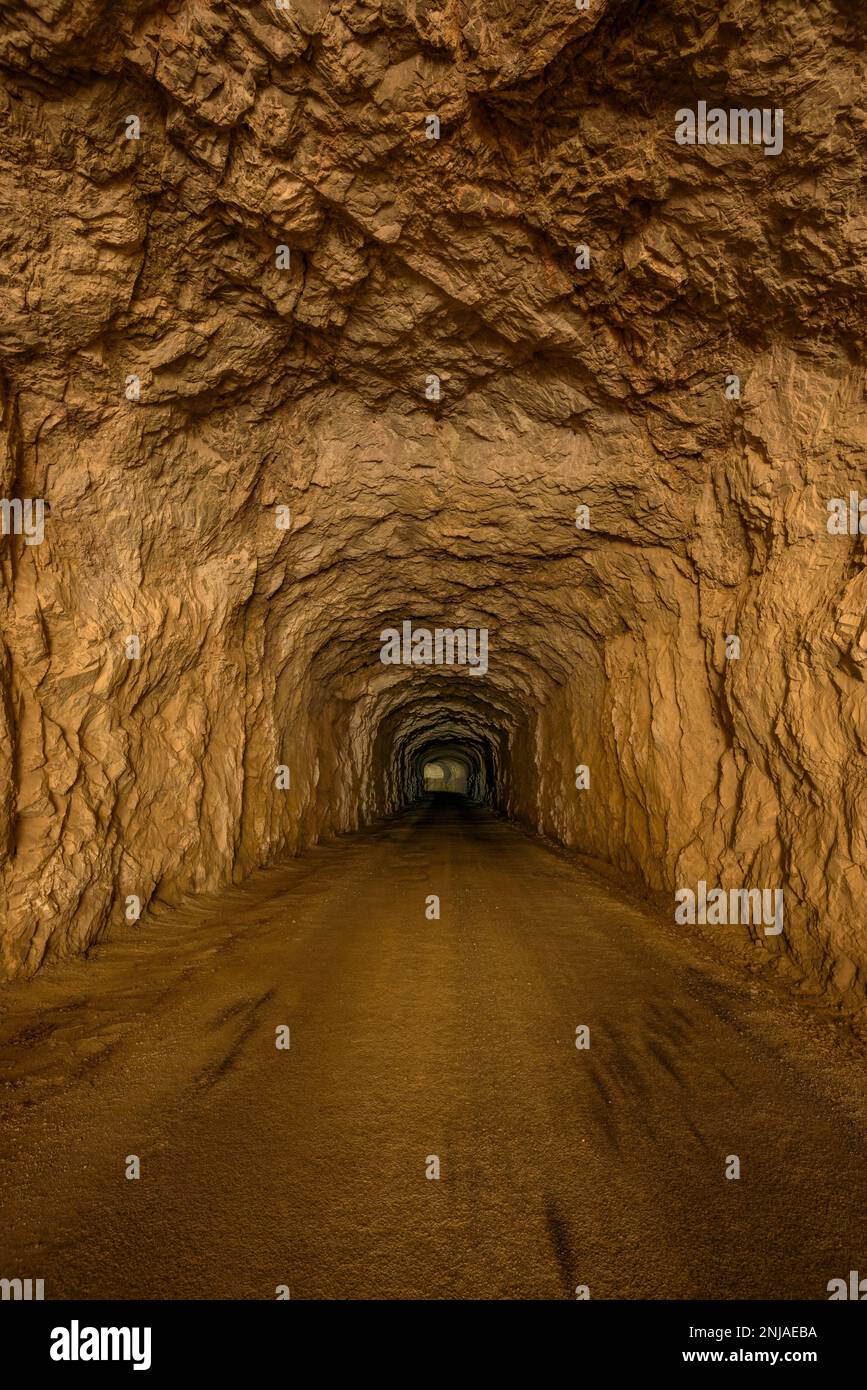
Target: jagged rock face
{"type": "Point", "coordinates": [172, 379]}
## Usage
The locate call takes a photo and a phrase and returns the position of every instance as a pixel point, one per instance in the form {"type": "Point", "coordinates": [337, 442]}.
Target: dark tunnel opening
{"type": "Point", "coordinates": [446, 774]}
{"type": "Point", "coordinates": [446, 766]}
{"type": "Point", "coordinates": [464, 764]}
{"type": "Point", "coordinates": [469, 736]}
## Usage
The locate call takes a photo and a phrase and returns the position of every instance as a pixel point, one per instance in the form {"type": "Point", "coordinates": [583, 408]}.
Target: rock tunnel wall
{"type": "Point", "coordinates": [288, 373]}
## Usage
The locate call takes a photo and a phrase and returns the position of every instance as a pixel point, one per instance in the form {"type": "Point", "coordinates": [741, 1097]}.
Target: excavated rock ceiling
{"type": "Point", "coordinates": [307, 386]}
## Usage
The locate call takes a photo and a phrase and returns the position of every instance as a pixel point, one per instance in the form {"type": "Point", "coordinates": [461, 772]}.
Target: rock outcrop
{"type": "Point", "coordinates": [323, 318]}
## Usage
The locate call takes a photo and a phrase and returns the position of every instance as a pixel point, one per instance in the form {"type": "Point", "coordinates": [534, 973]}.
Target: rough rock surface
{"type": "Point", "coordinates": [307, 387]}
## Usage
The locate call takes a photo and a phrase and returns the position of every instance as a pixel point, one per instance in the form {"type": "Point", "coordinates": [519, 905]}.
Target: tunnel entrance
{"type": "Point", "coordinates": [439, 745]}
{"type": "Point", "coordinates": [446, 775]}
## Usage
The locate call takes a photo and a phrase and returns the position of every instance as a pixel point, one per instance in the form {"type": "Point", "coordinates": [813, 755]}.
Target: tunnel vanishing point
{"type": "Point", "coordinates": [434, 442]}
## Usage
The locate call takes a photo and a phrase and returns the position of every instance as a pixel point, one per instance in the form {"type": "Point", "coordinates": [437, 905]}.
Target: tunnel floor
{"type": "Point", "coordinates": [410, 1038]}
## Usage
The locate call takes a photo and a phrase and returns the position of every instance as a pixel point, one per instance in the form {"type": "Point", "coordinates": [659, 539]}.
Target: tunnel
{"type": "Point", "coordinates": [432, 579]}
{"type": "Point", "coordinates": [229, 533]}
{"type": "Point", "coordinates": [446, 773]}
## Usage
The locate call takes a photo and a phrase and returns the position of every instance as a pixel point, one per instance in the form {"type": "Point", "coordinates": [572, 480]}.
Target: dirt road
{"type": "Point", "coordinates": [412, 1039]}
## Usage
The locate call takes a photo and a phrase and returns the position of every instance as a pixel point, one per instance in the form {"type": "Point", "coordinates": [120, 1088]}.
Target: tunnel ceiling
{"type": "Point", "coordinates": [306, 128]}
{"type": "Point", "coordinates": [288, 373]}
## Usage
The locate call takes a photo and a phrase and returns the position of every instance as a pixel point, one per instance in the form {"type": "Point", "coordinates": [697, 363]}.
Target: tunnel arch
{"type": "Point", "coordinates": [422, 715]}
{"type": "Point", "coordinates": [457, 770]}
